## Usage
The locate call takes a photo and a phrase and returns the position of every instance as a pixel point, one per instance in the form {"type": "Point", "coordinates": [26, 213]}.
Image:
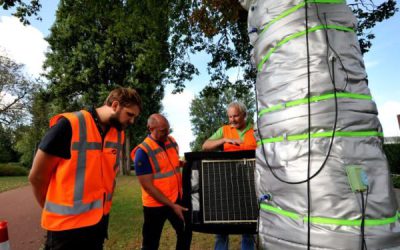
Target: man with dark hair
{"type": "Point", "coordinates": [73, 173]}
{"type": "Point", "coordinates": [158, 166]}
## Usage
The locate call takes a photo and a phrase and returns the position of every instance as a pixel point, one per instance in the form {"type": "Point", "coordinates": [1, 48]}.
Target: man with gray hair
{"type": "Point", "coordinates": [236, 136]}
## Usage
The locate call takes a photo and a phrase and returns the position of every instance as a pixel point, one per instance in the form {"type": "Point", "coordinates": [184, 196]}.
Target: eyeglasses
{"type": "Point", "coordinates": [162, 130]}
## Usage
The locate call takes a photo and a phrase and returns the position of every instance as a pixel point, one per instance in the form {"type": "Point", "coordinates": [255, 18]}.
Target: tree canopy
{"type": "Point", "coordinates": [23, 10]}
{"type": "Point", "coordinates": [15, 90]}
{"type": "Point", "coordinates": [219, 27]}
{"type": "Point", "coordinates": [99, 45]}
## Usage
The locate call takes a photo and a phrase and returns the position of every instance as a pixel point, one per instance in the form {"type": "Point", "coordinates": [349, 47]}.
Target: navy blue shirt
{"type": "Point", "coordinates": [142, 162]}
{"type": "Point", "coordinates": [57, 140]}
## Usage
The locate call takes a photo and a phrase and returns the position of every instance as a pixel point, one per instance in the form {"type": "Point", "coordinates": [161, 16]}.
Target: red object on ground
{"type": "Point", "coordinates": [4, 244]}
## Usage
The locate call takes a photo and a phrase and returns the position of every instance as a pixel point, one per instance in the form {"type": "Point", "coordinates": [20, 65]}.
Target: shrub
{"type": "Point", "coordinates": [396, 181]}
{"type": "Point", "coordinates": [392, 152]}
{"type": "Point", "coordinates": [12, 169]}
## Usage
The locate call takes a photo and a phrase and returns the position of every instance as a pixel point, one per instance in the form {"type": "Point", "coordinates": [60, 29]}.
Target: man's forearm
{"type": "Point", "coordinates": [210, 145]}
{"type": "Point", "coordinates": [42, 169]}
{"type": "Point", "coordinates": [39, 190]}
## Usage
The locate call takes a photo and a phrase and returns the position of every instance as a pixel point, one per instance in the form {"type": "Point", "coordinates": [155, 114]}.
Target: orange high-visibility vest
{"type": "Point", "coordinates": [166, 170]}
{"type": "Point", "coordinates": [81, 188]}
{"type": "Point", "coordinates": [249, 142]}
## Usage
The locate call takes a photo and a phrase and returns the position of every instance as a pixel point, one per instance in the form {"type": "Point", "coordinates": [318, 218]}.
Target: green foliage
{"type": "Point", "coordinates": [208, 111]}
{"type": "Point", "coordinates": [392, 152]}
{"type": "Point", "coordinates": [23, 10]}
{"type": "Point", "coordinates": [12, 182]}
{"type": "Point", "coordinates": [219, 28]}
{"type": "Point", "coordinates": [27, 137]}
{"type": "Point", "coordinates": [7, 153]}
{"type": "Point", "coordinates": [368, 15]}
{"type": "Point", "coordinates": [396, 181]}
{"type": "Point", "coordinates": [216, 27]}
{"type": "Point", "coordinates": [12, 169]}
{"type": "Point", "coordinates": [98, 45]}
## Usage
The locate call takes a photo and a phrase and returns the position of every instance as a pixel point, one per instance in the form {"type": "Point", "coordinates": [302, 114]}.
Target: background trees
{"type": "Point", "coordinates": [208, 111]}
{"type": "Point", "coordinates": [15, 90]}
{"type": "Point", "coordinates": [146, 44]}
{"type": "Point", "coordinates": [219, 28]}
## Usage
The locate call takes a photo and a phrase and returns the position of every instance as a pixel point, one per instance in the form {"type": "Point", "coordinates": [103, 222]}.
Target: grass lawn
{"type": "Point", "coordinates": [11, 182]}
{"type": "Point", "coordinates": [126, 219]}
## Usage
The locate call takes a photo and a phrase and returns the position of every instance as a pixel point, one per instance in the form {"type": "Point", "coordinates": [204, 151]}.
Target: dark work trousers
{"type": "Point", "coordinates": [85, 238]}
{"type": "Point", "coordinates": [154, 219]}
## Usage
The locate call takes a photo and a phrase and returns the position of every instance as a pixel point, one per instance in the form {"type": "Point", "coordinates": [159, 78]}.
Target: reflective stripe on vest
{"type": "Point", "coordinates": [152, 155]}
{"type": "Point", "coordinates": [82, 146]}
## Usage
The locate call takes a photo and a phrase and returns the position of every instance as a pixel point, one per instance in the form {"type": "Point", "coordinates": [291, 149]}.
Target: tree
{"type": "Point", "coordinates": [99, 45]}
{"type": "Point", "coordinates": [208, 110]}
{"type": "Point", "coordinates": [219, 27]}
{"type": "Point", "coordinates": [368, 15]}
{"type": "Point", "coordinates": [23, 10]}
{"type": "Point", "coordinates": [7, 153]}
{"type": "Point", "coordinates": [15, 90]}
{"type": "Point", "coordinates": [27, 137]}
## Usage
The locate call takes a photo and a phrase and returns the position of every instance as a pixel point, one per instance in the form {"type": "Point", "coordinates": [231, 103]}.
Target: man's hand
{"type": "Point", "coordinates": [234, 141]}
{"type": "Point", "coordinates": [42, 169]}
{"type": "Point", "coordinates": [178, 210]}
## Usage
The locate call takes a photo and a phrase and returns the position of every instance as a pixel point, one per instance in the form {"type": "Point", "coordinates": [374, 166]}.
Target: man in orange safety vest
{"type": "Point", "coordinates": [73, 172]}
{"type": "Point", "coordinates": [236, 136]}
{"type": "Point", "coordinates": [157, 166]}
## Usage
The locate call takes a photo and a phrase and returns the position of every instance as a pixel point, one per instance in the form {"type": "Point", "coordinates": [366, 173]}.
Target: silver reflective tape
{"type": "Point", "coordinates": [81, 164]}
{"type": "Point", "coordinates": [164, 175]}
{"type": "Point", "coordinates": [78, 207]}
{"type": "Point", "coordinates": [86, 146]}
{"type": "Point", "coordinates": [152, 156]}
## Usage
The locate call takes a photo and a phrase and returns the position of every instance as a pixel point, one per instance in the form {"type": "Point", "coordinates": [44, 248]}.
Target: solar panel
{"type": "Point", "coordinates": [219, 191]}
{"type": "Point", "coordinates": [228, 191]}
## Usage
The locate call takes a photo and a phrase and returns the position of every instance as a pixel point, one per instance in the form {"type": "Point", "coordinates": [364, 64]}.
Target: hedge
{"type": "Point", "coordinates": [392, 152]}
{"type": "Point", "coordinates": [12, 169]}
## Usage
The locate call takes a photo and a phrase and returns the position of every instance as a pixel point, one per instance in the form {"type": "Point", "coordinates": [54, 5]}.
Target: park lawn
{"type": "Point", "coordinates": [11, 182]}
{"type": "Point", "coordinates": [126, 219]}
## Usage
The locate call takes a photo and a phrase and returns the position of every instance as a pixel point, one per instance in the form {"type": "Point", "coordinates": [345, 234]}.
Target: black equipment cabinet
{"type": "Point", "coordinates": [219, 190]}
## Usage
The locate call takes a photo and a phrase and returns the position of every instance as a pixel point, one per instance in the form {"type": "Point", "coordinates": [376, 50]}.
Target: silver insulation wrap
{"type": "Point", "coordinates": [344, 131]}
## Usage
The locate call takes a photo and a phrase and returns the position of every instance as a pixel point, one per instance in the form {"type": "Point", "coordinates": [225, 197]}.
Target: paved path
{"type": "Point", "coordinates": [20, 209]}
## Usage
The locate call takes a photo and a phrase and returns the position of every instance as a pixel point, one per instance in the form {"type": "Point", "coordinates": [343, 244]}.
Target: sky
{"type": "Point", "coordinates": [26, 45]}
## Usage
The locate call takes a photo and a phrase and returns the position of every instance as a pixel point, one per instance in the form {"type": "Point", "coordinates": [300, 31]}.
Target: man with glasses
{"type": "Point", "coordinates": [157, 166]}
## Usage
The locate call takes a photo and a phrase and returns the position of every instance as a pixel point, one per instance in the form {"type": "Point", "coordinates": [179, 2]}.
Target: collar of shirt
{"type": "Point", "coordinates": [160, 143]}
{"type": "Point", "coordinates": [248, 127]}
{"type": "Point", "coordinates": [92, 111]}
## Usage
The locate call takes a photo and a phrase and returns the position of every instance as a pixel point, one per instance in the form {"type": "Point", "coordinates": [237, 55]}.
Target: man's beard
{"type": "Point", "coordinates": [114, 122]}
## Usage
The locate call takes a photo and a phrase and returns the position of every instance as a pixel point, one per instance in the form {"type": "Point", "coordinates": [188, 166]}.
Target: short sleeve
{"type": "Point", "coordinates": [142, 163]}
{"type": "Point", "coordinates": [57, 140]}
{"type": "Point", "coordinates": [217, 135]}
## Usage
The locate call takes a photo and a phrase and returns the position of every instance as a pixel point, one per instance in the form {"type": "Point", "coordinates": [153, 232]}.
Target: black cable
{"type": "Point", "coordinates": [362, 227]}
{"type": "Point", "coordinates": [309, 131]}
{"type": "Point", "coordinates": [362, 220]}
{"type": "Point", "coordinates": [258, 226]}
{"type": "Point", "coordinates": [309, 177]}
{"type": "Point", "coordinates": [333, 50]}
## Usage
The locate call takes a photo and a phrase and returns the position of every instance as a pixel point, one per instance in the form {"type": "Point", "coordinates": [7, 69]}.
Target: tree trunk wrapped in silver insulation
{"type": "Point", "coordinates": [277, 31]}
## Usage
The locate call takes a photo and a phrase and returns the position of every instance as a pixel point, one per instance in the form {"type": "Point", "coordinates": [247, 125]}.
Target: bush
{"type": "Point", "coordinates": [12, 169]}
{"type": "Point", "coordinates": [396, 181]}
{"type": "Point", "coordinates": [392, 152]}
